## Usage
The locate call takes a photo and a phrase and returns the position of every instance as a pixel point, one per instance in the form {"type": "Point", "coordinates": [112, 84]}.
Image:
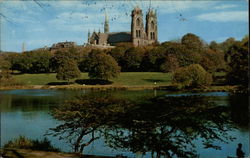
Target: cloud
{"type": "Point", "coordinates": [180, 6]}
{"type": "Point", "coordinates": [226, 6]}
{"type": "Point", "coordinates": [226, 16]}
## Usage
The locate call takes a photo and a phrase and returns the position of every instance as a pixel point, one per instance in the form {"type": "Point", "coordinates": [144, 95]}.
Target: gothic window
{"type": "Point", "coordinates": [151, 35]}
{"type": "Point", "coordinates": [138, 33]}
{"type": "Point", "coordinates": [138, 22]}
{"type": "Point", "coordinates": [152, 25]}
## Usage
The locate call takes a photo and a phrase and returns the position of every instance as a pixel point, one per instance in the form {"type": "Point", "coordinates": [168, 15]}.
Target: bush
{"type": "Point", "coordinates": [6, 82]}
{"type": "Point", "coordinates": [194, 76]}
{"type": "Point", "coordinates": [25, 143]}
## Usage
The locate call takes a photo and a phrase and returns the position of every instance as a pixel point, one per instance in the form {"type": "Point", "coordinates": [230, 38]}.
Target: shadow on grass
{"type": "Point", "coordinates": [59, 83]}
{"type": "Point", "coordinates": [152, 80]}
{"type": "Point", "coordinates": [93, 82]}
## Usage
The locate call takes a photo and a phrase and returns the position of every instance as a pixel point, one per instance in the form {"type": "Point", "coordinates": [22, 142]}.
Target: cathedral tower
{"type": "Point", "coordinates": [151, 26]}
{"type": "Point", "coordinates": [137, 27]}
{"type": "Point", "coordinates": [106, 24]}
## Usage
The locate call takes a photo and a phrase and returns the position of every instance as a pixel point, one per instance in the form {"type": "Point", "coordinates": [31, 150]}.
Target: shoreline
{"type": "Point", "coordinates": [225, 88]}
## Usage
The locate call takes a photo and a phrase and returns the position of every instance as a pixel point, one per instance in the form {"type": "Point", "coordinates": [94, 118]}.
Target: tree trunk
{"type": "Point", "coordinates": [78, 141]}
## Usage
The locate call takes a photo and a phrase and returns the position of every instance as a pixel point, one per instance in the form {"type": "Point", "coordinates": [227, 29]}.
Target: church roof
{"type": "Point", "coordinates": [115, 37]}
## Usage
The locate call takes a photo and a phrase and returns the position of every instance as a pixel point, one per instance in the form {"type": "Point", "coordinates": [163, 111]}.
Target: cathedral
{"type": "Point", "coordinates": [139, 35]}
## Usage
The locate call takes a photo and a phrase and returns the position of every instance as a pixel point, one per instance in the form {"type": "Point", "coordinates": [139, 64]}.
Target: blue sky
{"type": "Point", "coordinates": [42, 23]}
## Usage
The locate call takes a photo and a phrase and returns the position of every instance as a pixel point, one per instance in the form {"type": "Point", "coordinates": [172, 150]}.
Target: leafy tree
{"type": "Point", "coordinates": [237, 57]}
{"type": "Point", "coordinates": [14, 59]}
{"type": "Point", "coordinates": [192, 76]}
{"type": "Point", "coordinates": [40, 61]}
{"type": "Point", "coordinates": [84, 116]}
{"type": "Point", "coordinates": [4, 68]}
{"type": "Point", "coordinates": [152, 59]}
{"type": "Point", "coordinates": [67, 70]}
{"type": "Point", "coordinates": [184, 55]}
{"type": "Point", "coordinates": [118, 54]}
{"type": "Point", "coordinates": [224, 46]}
{"type": "Point", "coordinates": [61, 55]}
{"type": "Point", "coordinates": [212, 60]}
{"type": "Point", "coordinates": [132, 59]}
{"type": "Point", "coordinates": [102, 66]}
{"type": "Point", "coordinates": [214, 46]}
{"type": "Point", "coordinates": [170, 64]}
{"type": "Point", "coordinates": [36, 61]}
{"type": "Point", "coordinates": [192, 42]}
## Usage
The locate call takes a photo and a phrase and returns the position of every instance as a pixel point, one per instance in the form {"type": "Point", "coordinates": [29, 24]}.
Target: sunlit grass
{"type": "Point", "coordinates": [125, 78]}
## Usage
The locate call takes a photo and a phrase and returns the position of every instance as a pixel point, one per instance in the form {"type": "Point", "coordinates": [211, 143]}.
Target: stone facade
{"type": "Point", "coordinates": [139, 35]}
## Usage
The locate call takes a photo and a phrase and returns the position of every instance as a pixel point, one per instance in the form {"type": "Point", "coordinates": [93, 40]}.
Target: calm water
{"type": "Point", "coordinates": [27, 113]}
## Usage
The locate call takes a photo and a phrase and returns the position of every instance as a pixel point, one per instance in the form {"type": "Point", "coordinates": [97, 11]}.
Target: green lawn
{"type": "Point", "coordinates": [125, 78]}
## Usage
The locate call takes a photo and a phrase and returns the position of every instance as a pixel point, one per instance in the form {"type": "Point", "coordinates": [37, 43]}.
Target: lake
{"type": "Point", "coordinates": [28, 113]}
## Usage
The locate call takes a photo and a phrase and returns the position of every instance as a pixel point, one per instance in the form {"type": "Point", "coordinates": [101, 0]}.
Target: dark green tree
{"type": "Point", "coordinates": [192, 42]}
{"type": "Point", "coordinates": [4, 68]}
{"type": "Point", "coordinates": [132, 59]}
{"type": "Point", "coordinates": [237, 57]}
{"type": "Point", "coordinates": [102, 66]}
{"type": "Point", "coordinates": [67, 70]}
{"type": "Point", "coordinates": [184, 55]}
{"type": "Point", "coordinates": [170, 63]}
{"type": "Point", "coordinates": [213, 60]}
{"type": "Point", "coordinates": [152, 59]}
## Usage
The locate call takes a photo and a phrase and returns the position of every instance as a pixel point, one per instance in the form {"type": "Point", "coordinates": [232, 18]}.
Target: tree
{"type": "Point", "coordinates": [132, 59]}
{"type": "Point", "coordinates": [102, 66]}
{"type": "Point", "coordinates": [152, 59]}
{"type": "Point", "coordinates": [14, 59]}
{"type": "Point", "coordinates": [36, 61]}
{"type": "Point", "coordinates": [194, 76]}
{"type": "Point", "coordinates": [4, 68]}
{"type": "Point", "coordinates": [237, 58]}
{"type": "Point", "coordinates": [184, 55]}
{"type": "Point", "coordinates": [192, 42]}
{"type": "Point", "coordinates": [212, 60]}
{"type": "Point", "coordinates": [170, 63]}
{"type": "Point", "coordinates": [67, 70]}
{"type": "Point", "coordinates": [84, 116]}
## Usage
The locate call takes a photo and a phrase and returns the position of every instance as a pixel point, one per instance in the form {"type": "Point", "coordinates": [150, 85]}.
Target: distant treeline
{"type": "Point", "coordinates": [168, 56]}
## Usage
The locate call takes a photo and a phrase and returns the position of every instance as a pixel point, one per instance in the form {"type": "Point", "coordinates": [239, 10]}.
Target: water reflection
{"type": "Point", "coordinates": [29, 115]}
{"type": "Point", "coordinates": [167, 126]}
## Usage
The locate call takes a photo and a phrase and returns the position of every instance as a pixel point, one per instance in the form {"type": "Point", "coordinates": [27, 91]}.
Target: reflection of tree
{"type": "Point", "coordinates": [239, 109]}
{"type": "Point", "coordinates": [85, 115]}
{"type": "Point", "coordinates": [167, 126]}
{"type": "Point", "coordinates": [164, 126]}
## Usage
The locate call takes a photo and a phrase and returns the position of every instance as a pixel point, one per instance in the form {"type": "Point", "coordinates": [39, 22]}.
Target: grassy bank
{"type": "Point", "coordinates": [125, 79]}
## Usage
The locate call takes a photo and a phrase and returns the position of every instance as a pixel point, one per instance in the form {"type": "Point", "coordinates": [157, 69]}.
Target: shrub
{"type": "Point", "coordinates": [194, 76]}
{"type": "Point", "coordinates": [6, 82]}
{"type": "Point", "coordinates": [25, 143]}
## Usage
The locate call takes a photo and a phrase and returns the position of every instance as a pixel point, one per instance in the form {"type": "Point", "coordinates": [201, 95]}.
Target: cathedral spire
{"type": "Point", "coordinates": [106, 24]}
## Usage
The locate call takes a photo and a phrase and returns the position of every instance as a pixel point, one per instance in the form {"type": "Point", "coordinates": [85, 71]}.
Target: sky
{"type": "Point", "coordinates": [40, 23]}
